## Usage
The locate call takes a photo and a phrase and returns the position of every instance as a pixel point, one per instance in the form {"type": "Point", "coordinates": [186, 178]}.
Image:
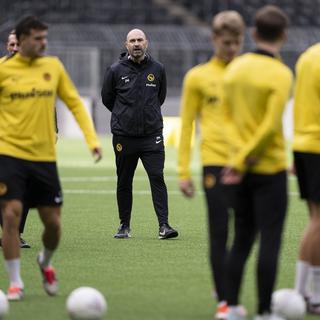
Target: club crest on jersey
{"type": "Point", "coordinates": [3, 189]}
{"type": "Point", "coordinates": [150, 77]}
{"type": "Point", "coordinates": [119, 147]}
{"type": "Point", "coordinates": [47, 76]}
{"type": "Point", "coordinates": [212, 99]}
{"type": "Point", "coordinates": [209, 181]}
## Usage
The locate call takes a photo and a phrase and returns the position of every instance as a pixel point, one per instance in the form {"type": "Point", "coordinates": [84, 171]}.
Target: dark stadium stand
{"type": "Point", "coordinates": [301, 12]}
{"type": "Point", "coordinates": [177, 41]}
{"type": "Point", "coordinates": [88, 35]}
{"type": "Point", "coordinates": [93, 11]}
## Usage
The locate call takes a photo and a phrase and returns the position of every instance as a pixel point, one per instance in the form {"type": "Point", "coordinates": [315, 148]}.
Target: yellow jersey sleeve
{"type": "Point", "coordinates": [307, 102]}
{"type": "Point", "coordinates": [69, 95]}
{"type": "Point", "coordinates": [189, 109]}
{"type": "Point", "coordinates": [3, 59]}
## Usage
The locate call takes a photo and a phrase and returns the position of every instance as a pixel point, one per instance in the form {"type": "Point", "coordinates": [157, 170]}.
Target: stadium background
{"type": "Point", "coordinates": [88, 36]}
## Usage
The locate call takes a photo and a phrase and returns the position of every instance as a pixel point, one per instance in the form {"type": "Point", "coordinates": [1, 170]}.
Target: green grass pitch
{"type": "Point", "coordinates": [142, 278]}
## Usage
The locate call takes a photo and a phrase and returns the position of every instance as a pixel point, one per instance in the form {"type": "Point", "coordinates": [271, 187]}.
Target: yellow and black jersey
{"type": "Point", "coordinates": [28, 91]}
{"type": "Point", "coordinates": [256, 89]}
{"type": "Point", "coordinates": [307, 102]}
{"type": "Point", "coordinates": [201, 99]}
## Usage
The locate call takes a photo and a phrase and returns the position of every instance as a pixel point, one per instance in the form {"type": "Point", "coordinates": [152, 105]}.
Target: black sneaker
{"type": "Point", "coordinates": [123, 232]}
{"type": "Point", "coordinates": [24, 244]}
{"type": "Point", "coordinates": [166, 232]}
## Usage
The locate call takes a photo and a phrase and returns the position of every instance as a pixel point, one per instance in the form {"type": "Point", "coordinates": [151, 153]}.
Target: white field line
{"type": "Point", "coordinates": [108, 164]}
{"type": "Point", "coordinates": [114, 178]}
{"type": "Point", "coordinates": [138, 192]}
{"type": "Point", "coordinates": [109, 178]}
{"type": "Point", "coordinates": [136, 178]}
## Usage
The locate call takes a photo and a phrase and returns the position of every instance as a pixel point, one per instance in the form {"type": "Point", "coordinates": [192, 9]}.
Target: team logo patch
{"type": "Point", "coordinates": [119, 147]}
{"type": "Point", "coordinates": [3, 189]}
{"type": "Point", "coordinates": [47, 76]}
{"type": "Point", "coordinates": [212, 100]}
{"type": "Point", "coordinates": [58, 199]}
{"type": "Point", "coordinates": [150, 77]}
{"type": "Point", "coordinates": [209, 181]}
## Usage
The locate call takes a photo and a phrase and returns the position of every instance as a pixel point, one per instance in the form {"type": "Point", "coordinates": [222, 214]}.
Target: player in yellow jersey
{"type": "Point", "coordinates": [201, 100]}
{"type": "Point", "coordinates": [256, 89]}
{"type": "Point", "coordinates": [12, 47]}
{"type": "Point", "coordinates": [306, 148]}
{"type": "Point", "coordinates": [30, 82]}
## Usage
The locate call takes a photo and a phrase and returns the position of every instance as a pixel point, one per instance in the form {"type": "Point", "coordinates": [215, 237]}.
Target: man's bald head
{"type": "Point", "coordinates": [136, 33]}
{"type": "Point", "coordinates": [136, 44]}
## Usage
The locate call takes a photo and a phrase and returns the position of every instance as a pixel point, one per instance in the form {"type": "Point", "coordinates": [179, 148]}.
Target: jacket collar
{"type": "Point", "coordinates": [124, 56]}
{"type": "Point", "coordinates": [264, 52]}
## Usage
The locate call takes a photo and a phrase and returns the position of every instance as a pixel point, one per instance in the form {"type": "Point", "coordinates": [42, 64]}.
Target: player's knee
{"type": "Point", "coordinates": [11, 218]}
{"type": "Point", "coordinates": [53, 224]}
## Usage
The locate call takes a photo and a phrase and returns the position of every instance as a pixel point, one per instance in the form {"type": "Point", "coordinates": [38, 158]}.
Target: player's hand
{"type": "Point", "coordinates": [231, 176]}
{"type": "Point", "coordinates": [187, 188]}
{"type": "Point", "coordinates": [292, 170]}
{"type": "Point", "coordinates": [97, 154]}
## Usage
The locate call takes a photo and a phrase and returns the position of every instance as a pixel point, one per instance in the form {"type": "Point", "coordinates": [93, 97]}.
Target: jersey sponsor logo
{"type": "Point", "coordinates": [47, 76]}
{"type": "Point", "coordinates": [3, 189]}
{"type": "Point", "coordinates": [124, 77]}
{"type": "Point", "coordinates": [158, 140]}
{"type": "Point", "coordinates": [150, 85]}
{"type": "Point", "coordinates": [33, 93]}
{"type": "Point", "coordinates": [209, 181]}
{"type": "Point", "coordinates": [150, 77]}
{"type": "Point", "coordinates": [119, 147]}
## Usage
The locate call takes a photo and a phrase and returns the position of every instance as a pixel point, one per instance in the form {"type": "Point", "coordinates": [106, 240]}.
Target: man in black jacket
{"type": "Point", "coordinates": [134, 89]}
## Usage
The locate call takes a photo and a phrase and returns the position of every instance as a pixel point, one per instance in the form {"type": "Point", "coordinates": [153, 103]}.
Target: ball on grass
{"type": "Point", "coordinates": [86, 303]}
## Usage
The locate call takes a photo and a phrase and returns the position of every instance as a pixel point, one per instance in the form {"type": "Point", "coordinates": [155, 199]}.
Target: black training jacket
{"type": "Point", "coordinates": [134, 94]}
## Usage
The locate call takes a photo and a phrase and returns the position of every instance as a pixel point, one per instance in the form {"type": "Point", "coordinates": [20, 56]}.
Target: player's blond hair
{"type": "Point", "coordinates": [228, 20]}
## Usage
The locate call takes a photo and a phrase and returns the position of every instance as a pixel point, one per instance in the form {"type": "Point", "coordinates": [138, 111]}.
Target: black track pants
{"type": "Point", "coordinates": [217, 208]}
{"type": "Point", "coordinates": [260, 209]}
{"type": "Point", "coordinates": [150, 150]}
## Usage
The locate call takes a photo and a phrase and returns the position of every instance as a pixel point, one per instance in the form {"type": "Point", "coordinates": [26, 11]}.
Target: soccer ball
{"type": "Point", "coordinates": [86, 303]}
{"type": "Point", "coordinates": [4, 305]}
{"type": "Point", "coordinates": [288, 304]}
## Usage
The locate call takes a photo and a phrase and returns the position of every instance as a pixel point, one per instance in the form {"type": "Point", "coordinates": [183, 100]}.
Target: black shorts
{"type": "Point", "coordinates": [307, 167]}
{"type": "Point", "coordinates": [35, 183]}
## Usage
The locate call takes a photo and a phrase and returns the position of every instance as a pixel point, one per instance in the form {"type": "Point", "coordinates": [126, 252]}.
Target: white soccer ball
{"type": "Point", "coordinates": [288, 304]}
{"type": "Point", "coordinates": [86, 303]}
{"type": "Point", "coordinates": [4, 305]}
